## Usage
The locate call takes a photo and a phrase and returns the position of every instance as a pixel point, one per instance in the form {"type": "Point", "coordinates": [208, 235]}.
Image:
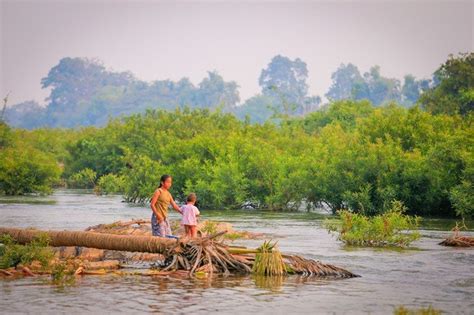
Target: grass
{"type": "Point", "coordinates": [393, 228]}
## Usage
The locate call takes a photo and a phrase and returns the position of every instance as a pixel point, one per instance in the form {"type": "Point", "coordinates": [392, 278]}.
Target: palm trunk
{"type": "Point", "coordinates": [149, 244]}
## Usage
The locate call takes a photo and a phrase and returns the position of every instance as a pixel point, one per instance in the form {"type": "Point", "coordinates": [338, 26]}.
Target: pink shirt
{"type": "Point", "coordinates": [189, 214]}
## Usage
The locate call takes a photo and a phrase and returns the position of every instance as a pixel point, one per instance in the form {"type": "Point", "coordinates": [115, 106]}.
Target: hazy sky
{"type": "Point", "coordinates": [158, 40]}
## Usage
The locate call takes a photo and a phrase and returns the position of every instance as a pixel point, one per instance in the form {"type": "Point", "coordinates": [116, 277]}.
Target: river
{"type": "Point", "coordinates": [426, 274]}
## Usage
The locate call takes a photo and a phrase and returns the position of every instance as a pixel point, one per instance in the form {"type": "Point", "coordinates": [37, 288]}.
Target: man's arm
{"type": "Point", "coordinates": [154, 199]}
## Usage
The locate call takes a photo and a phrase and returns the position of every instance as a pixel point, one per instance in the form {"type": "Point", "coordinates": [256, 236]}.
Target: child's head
{"type": "Point", "coordinates": [166, 181]}
{"type": "Point", "coordinates": [191, 198]}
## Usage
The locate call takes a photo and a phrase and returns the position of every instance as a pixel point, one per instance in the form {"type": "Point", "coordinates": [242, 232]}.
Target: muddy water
{"type": "Point", "coordinates": [427, 274]}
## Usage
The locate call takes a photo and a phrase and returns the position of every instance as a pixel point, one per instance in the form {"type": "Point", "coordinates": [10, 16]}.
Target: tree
{"type": "Point", "coordinates": [285, 78]}
{"type": "Point", "coordinates": [376, 88]}
{"type": "Point", "coordinates": [76, 80]}
{"type": "Point", "coordinates": [453, 92]}
{"type": "Point", "coordinates": [214, 91]}
{"type": "Point", "coordinates": [412, 89]}
{"type": "Point", "coordinates": [21, 174]}
{"type": "Point", "coordinates": [258, 108]}
{"type": "Point", "coordinates": [348, 83]}
{"type": "Point", "coordinates": [27, 114]}
{"type": "Point", "coordinates": [344, 80]}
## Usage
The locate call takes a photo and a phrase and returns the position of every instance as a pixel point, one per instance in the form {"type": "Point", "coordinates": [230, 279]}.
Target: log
{"type": "Point", "coordinates": [131, 243]}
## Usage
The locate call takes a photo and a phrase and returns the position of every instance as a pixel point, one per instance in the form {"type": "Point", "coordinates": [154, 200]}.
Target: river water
{"type": "Point", "coordinates": [426, 274]}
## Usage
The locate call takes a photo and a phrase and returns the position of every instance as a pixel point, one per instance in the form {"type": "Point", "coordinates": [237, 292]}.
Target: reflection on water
{"type": "Point", "coordinates": [272, 283]}
{"type": "Point", "coordinates": [428, 274]}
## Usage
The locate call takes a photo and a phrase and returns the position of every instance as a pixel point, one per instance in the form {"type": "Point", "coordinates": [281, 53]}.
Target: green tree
{"type": "Point", "coordinates": [454, 93]}
{"type": "Point", "coordinates": [344, 80]}
{"type": "Point", "coordinates": [214, 91]}
{"type": "Point", "coordinates": [285, 79]}
{"type": "Point", "coordinates": [26, 170]}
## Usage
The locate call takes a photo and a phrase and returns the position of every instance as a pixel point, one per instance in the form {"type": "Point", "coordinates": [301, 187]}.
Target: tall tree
{"type": "Point", "coordinates": [348, 83]}
{"type": "Point", "coordinates": [412, 89]}
{"type": "Point", "coordinates": [344, 80]}
{"type": "Point", "coordinates": [285, 78]}
{"type": "Point", "coordinates": [75, 80]}
{"type": "Point", "coordinates": [453, 92]}
{"type": "Point", "coordinates": [379, 89]}
{"type": "Point", "coordinates": [214, 92]}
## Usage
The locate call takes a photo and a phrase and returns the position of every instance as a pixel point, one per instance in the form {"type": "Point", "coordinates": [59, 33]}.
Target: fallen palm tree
{"type": "Point", "coordinates": [133, 243]}
{"type": "Point", "coordinates": [206, 254]}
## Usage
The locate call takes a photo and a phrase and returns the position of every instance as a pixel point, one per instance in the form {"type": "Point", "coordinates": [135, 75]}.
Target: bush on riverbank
{"type": "Point", "coordinates": [13, 254]}
{"type": "Point", "coordinates": [24, 169]}
{"type": "Point", "coordinates": [361, 161]}
{"type": "Point", "coordinates": [110, 184]}
{"type": "Point", "coordinates": [392, 228]}
{"type": "Point", "coordinates": [85, 178]}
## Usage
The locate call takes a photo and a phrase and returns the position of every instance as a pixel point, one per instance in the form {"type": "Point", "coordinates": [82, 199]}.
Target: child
{"type": "Point", "coordinates": [190, 212]}
{"type": "Point", "coordinates": [160, 202]}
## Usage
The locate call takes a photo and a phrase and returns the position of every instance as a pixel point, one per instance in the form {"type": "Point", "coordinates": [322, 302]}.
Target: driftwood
{"type": "Point", "coordinates": [458, 240]}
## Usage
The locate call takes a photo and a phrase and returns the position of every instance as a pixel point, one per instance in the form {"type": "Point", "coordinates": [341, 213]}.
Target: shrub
{"type": "Point", "coordinates": [83, 179]}
{"type": "Point", "coordinates": [143, 179]}
{"type": "Point", "coordinates": [14, 254]}
{"type": "Point", "coordinates": [462, 195]}
{"type": "Point", "coordinates": [25, 170]}
{"type": "Point", "coordinates": [62, 274]}
{"type": "Point", "coordinates": [392, 228]}
{"type": "Point", "coordinates": [110, 184]}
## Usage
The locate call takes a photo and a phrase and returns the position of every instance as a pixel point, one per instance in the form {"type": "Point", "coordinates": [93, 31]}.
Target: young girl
{"type": "Point", "coordinates": [190, 212]}
{"type": "Point", "coordinates": [160, 202]}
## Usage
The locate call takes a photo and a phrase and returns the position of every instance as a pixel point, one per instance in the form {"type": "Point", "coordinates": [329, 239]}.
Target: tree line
{"type": "Point", "coordinates": [84, 92]}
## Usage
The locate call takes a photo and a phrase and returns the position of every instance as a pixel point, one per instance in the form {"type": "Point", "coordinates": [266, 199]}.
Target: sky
{"type": "Point", "coordinates": [158, 40]}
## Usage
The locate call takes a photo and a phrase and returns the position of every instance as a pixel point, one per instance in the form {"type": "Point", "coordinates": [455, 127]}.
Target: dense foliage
{"type": "Point", "coordinates": [350, 155]}
{"type": "Point", "coordinates": [28, 166]}
{"type": "Point", "coordinates": [455, 93]}
{"type": "Point", "coordinates": [392, 228]}
{"type": "Point", "coordinates": [347, 155]}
